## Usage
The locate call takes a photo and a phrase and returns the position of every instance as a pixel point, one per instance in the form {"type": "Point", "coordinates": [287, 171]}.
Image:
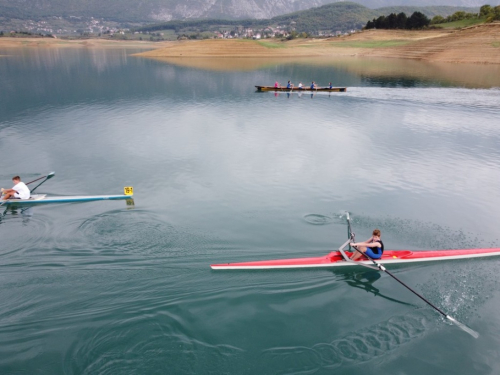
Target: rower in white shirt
{"type": "Point", "coordinates": [18, 191]}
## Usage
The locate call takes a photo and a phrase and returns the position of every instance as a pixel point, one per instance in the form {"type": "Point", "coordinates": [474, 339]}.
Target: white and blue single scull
{"type": "Point", "coordinates": [43, 198]}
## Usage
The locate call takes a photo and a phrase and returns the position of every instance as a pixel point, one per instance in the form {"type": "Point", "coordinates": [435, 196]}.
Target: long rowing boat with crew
{"type": "Point", "coordinates": [297, 89]}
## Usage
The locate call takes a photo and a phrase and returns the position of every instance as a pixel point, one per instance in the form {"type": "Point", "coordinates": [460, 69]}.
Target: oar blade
{"type": "Point", "coordinates": [383, 269]}
{"type": "Point", "coordinates": [462, 326]}
{"type": "Point", "coordinates": [49, 176]}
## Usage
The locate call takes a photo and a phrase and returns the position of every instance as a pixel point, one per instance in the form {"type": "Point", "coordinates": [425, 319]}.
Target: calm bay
{"type": "Point", "coordinates": [223, 173]}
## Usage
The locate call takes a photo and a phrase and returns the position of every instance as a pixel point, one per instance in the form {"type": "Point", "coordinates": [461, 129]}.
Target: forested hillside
{"type": "Point", "coordinates": [341, 16]}
{"type": "Point", "coordinates": [168, 10]}
{"type": "Point", "coordinates": [338, 16]}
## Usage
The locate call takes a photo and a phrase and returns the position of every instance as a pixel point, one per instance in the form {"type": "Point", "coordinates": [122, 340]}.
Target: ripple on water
{"type": "Point", "coordinates": [126, 231]}
{"type": "Point", "coordinates": [117, 347]}
{"type": "Point", "coordinates": [140, 233]}
{"type": "Point", "coordinates": [317, 219]}
{"type": "Point", "coordinates": [34, 231]}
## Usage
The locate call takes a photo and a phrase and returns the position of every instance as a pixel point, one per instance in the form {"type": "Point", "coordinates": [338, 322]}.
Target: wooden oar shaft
{"type": "Point", "coordinates": [39, 178]}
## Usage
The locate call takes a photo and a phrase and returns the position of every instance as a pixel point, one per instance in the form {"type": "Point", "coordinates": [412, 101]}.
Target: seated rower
{"type": "Point", "coordinates": [330, 86]}
{"type": "Point", "coordinates": [289, 85]}
{"type": "Point", "coordinates": [373, 247]}
{"type": "Point", "coordinates": [276, 85]}
{"type": "Point", "coordinates": [300, 86]}
{"type": "Point", "coordinates": [19, 191]}
{"type": "Point", "coordinates": [313, 85]}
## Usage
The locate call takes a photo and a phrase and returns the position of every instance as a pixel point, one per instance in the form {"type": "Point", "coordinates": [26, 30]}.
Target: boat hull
{"type": "Point", "coordinates": [303, 89]}
{"type": "Point", "coordinates": [334, 259]}
{"type": "Point", "coordinates": [41, 199]}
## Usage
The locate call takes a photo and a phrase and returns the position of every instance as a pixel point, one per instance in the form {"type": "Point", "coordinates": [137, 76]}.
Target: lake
{"type": "Point", "coordinates": [222, 173]}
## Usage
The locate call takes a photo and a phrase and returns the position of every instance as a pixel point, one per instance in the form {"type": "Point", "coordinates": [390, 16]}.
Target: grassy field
{"type": "Point", "coordinates": [271, 44]}
{"type": "Point", "coordinates": [371, 43]}
{"type": "Point", "coordinates": [459, 24]}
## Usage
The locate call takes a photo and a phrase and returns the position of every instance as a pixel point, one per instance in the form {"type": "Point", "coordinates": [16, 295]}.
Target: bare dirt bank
{"type": "Point", "coordinates": [7, 42]}
{"type": "Point", "coordinates": [477, 44]}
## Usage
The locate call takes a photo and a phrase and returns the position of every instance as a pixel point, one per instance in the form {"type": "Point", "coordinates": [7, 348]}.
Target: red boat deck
{"type": "Point", "coordinates": [335, 259]}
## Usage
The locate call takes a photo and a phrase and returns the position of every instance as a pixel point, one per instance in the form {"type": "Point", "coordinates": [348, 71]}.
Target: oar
{"type": "Point", "coordinates": [49, 176]}
{"type": "Point", "coordinates": [383, 269]}
{"type": "Point", "coordinates": [350, 233]}
{"type": "Point", "coordinates": [39, 178]}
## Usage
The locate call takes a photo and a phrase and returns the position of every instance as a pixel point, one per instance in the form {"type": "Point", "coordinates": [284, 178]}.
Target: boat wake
{"type": "Point", "coordinates": [354, 348]}
{"type": "Point", "coordinates": [154, 345]}
{"type": "Point", "coordinates": [485, 99]}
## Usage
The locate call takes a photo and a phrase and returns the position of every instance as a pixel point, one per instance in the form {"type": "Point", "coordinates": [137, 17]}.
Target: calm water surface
{"type": "Point", "coordinates": [222, 173]}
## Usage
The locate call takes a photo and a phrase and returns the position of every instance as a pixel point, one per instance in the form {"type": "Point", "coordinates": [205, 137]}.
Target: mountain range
{"type": "Point", "coordinates": [335, 17]}
{"type": "Point", "coordinates": [148, 11]}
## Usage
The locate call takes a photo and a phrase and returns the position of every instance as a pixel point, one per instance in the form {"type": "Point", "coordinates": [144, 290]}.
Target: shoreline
{"type": "Point", "coordinates": [52, 43]}
{"type": "Point", "coordinates": [479, 44]}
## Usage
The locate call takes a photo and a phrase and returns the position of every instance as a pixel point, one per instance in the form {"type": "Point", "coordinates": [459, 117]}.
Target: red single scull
{"type": "Point", "coordinates": [335, 259]}
{"type": "Point", "coordinates": [340, 258]}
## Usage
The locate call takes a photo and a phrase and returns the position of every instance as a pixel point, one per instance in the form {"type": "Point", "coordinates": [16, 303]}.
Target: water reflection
{"type": "Point", "coordinates": [365, 281]}
{"type": "Point", "coordinates": [379, 71]}
{"type": "Point", "coordinates": [227, 64]}
{"type": "Point", "coordinates": [98, 59]}
{"type": "Point", "coordinates": [25, 213]}
{"type": "Point", "coordinates": [300, 94]}
{"type": "Point", "coordinates": [392, 81]}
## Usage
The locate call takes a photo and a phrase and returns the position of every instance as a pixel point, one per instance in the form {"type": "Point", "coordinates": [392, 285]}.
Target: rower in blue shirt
{"type": "Point", "coordinates": [373, 247]}
{"type": "Point", "coordinates": [330, 86]}
{"type": "Point", "coordinates": [289, 85]}
{"type": "Point", "coordinates": [313, 85]}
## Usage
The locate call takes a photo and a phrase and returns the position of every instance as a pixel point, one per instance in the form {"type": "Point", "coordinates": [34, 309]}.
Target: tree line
{"type": "Point", "coordinates": [419, 20]}
{"type": "Point", "coordinates": [487, 12]}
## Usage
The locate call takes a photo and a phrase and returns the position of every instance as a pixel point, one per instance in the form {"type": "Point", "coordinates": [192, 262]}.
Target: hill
{"type": "Point", "coordinates": [476, 44]}
{"type": "Point", "coordinates": [342, 16]}
{"type": "Point", "coordinates": [167, 10]}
